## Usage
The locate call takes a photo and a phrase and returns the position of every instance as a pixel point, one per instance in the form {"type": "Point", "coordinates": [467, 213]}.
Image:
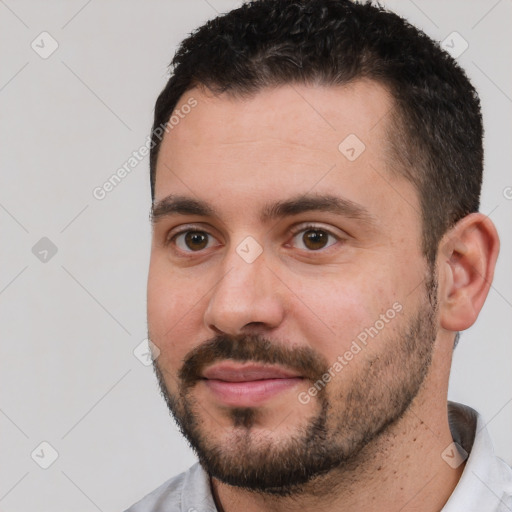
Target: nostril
{"type": "Point", "coordinates": [215, 329]}
{"type": "Point", "coordinates": [254, 325]}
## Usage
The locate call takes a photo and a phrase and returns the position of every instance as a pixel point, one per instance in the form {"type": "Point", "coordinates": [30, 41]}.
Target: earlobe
{"type": "Point", "coordinates": [467, 258]}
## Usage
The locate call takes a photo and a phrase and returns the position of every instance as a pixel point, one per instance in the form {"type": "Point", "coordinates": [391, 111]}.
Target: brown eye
{"type": "Point", "coordinates": [313, 239]}
{"type": "Point", "coordinates": [193, 241]}
{"type": "Point", "coordinates": [196, 240]}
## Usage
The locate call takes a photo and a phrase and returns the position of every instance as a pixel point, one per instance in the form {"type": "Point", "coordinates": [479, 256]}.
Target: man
{"type": "Point", "coordinates": [316, 169]}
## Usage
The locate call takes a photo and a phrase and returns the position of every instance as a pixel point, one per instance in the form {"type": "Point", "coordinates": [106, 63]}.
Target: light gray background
{"type": "Point", "coordinates": [70, 325]}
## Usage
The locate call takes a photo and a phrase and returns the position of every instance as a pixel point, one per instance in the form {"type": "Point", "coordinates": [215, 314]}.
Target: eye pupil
{"type": "Point", "coordinates": [196, 240]}
{"type": "Point", "coordinates": [315, 239]}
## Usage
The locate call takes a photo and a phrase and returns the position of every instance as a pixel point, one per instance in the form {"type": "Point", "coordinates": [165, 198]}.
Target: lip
{"type": "Point", "coordinates": [230, 372]}
{"type": "Point", "coordinates": [248, 385]}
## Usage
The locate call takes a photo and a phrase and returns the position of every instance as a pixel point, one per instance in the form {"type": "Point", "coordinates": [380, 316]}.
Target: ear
{"type": "Point", "coordinates": [466, 260]}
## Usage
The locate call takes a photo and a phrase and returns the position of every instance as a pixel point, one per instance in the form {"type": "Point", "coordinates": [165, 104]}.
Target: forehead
{"type": "Point", "coordinates": [282, 141]}
{"type": "Point", "coordinates": [316, 117]}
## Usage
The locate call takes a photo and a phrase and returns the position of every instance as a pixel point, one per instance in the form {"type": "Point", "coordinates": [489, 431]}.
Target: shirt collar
{"type": "Point", "coordinates": [486, 482]}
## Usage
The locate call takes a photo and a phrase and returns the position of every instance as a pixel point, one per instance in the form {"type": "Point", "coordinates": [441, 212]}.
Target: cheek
{"type": "Point", "coordinates": [173, 313]}
{"type": "Point", "coordinates": [338, 309]}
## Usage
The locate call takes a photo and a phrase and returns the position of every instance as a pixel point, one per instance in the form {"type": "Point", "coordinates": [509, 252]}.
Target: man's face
{"type": "Point", "coordinates": [287, 292]}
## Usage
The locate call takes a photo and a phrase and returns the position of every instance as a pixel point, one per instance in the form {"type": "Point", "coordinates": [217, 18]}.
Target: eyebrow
{"type": "Point", "coordinates": [314, 202]}
{"type": "Point", "coordinates": [182, 205]}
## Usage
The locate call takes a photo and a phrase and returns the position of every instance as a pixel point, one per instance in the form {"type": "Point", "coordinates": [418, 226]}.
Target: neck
{"type": "Point", "coordinates": [401, 470]}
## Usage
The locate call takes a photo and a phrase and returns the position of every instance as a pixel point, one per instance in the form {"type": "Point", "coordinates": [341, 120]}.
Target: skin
{"type": "Point", "coordinates": [239, 155]}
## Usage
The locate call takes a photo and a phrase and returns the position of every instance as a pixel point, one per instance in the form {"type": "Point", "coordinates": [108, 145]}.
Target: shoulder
{"type": "Point", "coordinates": [178, 493]}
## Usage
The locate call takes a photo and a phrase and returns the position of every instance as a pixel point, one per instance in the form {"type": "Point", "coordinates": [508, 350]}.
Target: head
{"type": "Point", "coordinates": [314, 210]}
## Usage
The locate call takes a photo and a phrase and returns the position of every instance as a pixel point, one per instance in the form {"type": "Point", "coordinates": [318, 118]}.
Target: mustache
{"type": "Point", "coordinates": [251, 348]}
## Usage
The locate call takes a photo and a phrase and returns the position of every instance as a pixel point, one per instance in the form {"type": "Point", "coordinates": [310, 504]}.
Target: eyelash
{"type": "Point", "coordinates": [294, 233]}
{"type": "Point", "coordinates": [312, 227]}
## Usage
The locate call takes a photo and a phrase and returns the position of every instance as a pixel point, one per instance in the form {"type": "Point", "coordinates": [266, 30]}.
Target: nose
{"type": "Point", "coordinates": [246, 297]}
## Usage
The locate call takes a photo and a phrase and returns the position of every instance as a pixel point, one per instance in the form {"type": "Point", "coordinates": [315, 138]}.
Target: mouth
{"type": "Point", "coordinates": [248, 385]}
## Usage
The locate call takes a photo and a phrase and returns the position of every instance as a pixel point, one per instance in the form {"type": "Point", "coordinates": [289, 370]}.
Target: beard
{"type": "Point", "coordinates": [346, 419]}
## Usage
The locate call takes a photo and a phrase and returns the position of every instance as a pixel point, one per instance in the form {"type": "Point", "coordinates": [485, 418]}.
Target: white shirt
{"type": "Point", "coordinates": [485, 484]}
